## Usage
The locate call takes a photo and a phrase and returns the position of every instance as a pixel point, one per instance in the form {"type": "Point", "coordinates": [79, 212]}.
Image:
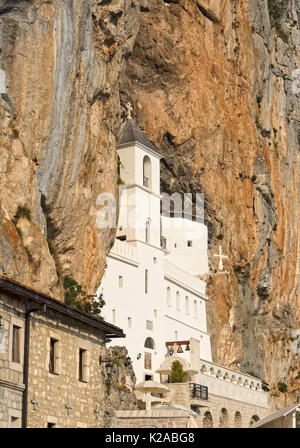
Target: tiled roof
{"type": "Point", "coordinates": [129, 133]}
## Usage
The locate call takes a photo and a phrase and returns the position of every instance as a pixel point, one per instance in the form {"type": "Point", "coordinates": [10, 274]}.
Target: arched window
{"type": "Point", "coordinates": [238, 420]}
{"type": "Point", "coordinates": [203, 369]}
{"type": "Point", "coordinates": [149, 343]}
{"type": "Point", "coordinates": [187, 305]}
{"type": "Point", "coordinates": [224, 419]}
{"type": "Point", "coordinates": [168, 296]}
{"type": "Point", "coordinates": [212, 372]}
{"type": "Point", "coordinates": [207, 420]}
{"type": "Point", "coordinates": [254, 419]}
{"type": "Point", "coordinates": [147, 231]}
{"type": "Point", "coordinates": [177, 300]}
{"type": "Point", "coordinates": [195, 309]}
{"type": "Point", "coordinates": [113, 316]}
{"type": "Point", "coordinates": [147, 181]}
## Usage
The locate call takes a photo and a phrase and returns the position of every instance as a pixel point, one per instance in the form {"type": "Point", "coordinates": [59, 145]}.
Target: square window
{"type": "Point", "coordinates": [149, 325]}
{"type": "Point", "coordinates": [15, 422]}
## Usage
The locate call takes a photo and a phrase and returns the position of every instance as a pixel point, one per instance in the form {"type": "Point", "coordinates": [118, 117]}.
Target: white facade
{"type": "Point", "coordinates": [156, 295]}
{"type": "Point", "coordinates": [146, 292]}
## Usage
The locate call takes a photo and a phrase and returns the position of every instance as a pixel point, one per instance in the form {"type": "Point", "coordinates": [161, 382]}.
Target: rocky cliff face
{"type": "Point", "coordinates": [211, 84]}
{"type": "Point", "coordinates": [62, 62]}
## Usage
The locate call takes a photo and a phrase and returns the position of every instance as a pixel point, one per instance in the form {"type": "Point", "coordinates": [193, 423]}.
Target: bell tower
{"type": "Point", "coordinates": [139, 171]}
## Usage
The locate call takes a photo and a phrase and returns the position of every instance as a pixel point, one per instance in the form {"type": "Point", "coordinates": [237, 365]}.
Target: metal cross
{"type": "Point", "coordinates": [68, 406]}
{"type": "Point", "coordinates": [129, 110]}
{"type": "Point", "coordinates": [35, 403]}
{"type": "Point", "coordinates": [222, 257]}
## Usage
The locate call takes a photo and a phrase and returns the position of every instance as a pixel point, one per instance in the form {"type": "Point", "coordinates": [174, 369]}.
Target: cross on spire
{"type": "Point", "coordinates": [221, 257]}
{"type": "Point", "coordinates": [129, 110]}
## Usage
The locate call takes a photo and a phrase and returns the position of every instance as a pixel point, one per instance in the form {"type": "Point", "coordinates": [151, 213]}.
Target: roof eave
{"type": "Point", "coordinates": [14, 288]}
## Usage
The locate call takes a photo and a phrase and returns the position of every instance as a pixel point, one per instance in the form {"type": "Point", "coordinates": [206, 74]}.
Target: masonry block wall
{"type": "Point", "coordinates": [64, 399]}
{"type": "Point", "coordinates": [11, 373]}
{"type": "Point", "coordinates": [57, 395]}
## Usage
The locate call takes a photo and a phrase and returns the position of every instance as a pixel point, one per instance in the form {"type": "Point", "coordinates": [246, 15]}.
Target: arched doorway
{"type": "Point", "coordinates": [238, 420]}
{"type": "Point", "coordinates": [224, 419]}
{"type": "Point", "coordinates": [208, 420]}
{"type": "Point", "coordinates": [254, 419]}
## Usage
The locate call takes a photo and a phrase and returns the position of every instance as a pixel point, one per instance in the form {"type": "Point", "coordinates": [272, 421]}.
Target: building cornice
{"type": "Point", "coordinates": [123, 259]}
{"type": "Point", "coordinates": [147, 190]}
{"type": "Point", "coordinates": [145, 148]}
{"type": "Point", "coordinates": [15, 289]}
{"type": "Point", "coordinates": [15, 386]}
{"type": "Point", "coordinates": [186, 287]}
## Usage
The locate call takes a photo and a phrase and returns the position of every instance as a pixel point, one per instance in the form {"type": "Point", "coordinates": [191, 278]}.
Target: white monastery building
{"type": "Point", "coordinates": [153, 285]}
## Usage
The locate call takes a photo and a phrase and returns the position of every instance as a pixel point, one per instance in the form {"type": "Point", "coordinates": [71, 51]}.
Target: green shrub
{"type": "Point", "coordinates": [19, 232]}
{"type": "Point", "coordinates": [177, 373]}
{"type": "Point", "coordinates": [277, 10]}
{"type": "Point", "coordinates": [22, 212]}
{"type": "Point", "coordinates": [282, 387]}
{"type": "Point", "coordinates": [220, 236]}
{"type": "Point", "coordinates": [108, 384]}
{"type": "Point", "coordinates": [16, 133]}
{"type": "Point", "coordinates": [30, 258]}
{"type": "Point", "coordinates": [75, 296]}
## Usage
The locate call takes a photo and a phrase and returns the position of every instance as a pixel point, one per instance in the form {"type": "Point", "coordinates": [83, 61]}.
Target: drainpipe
{"type": "Point", "coordinates": [26, 366]}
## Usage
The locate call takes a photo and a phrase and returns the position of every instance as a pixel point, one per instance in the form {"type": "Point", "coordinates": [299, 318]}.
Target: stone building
{"type": "Point", "coordinates": [49, 361]}
{"type": "Point", "coordinates": [212, 396]}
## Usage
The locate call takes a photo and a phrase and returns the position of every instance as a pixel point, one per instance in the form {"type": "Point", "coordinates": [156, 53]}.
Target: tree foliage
{"type": "Point", "coordinates": [76, 296]}
{"type": "Point", "coordinates": [282, 387]}
{"type": "Point", "coordinates": [178, 375]}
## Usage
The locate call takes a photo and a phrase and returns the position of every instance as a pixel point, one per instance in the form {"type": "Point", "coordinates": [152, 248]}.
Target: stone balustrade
{"type": "Point", "coordinates": [124, 250]}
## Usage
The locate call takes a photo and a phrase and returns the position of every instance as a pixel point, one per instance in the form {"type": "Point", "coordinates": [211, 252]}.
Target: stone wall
{"type": "Point", "coordinates": [239, 413]}
{"type": "Point", "coordinates": [55, 391]}
{"type": "Point", "coordinates": [11, 374]}
{"type": "Point", "coordinates": [60, 398]}
{"type": "Point", "coordinates": [223, 412]}
{"type": "Point", "coordinates": [162, 418]}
